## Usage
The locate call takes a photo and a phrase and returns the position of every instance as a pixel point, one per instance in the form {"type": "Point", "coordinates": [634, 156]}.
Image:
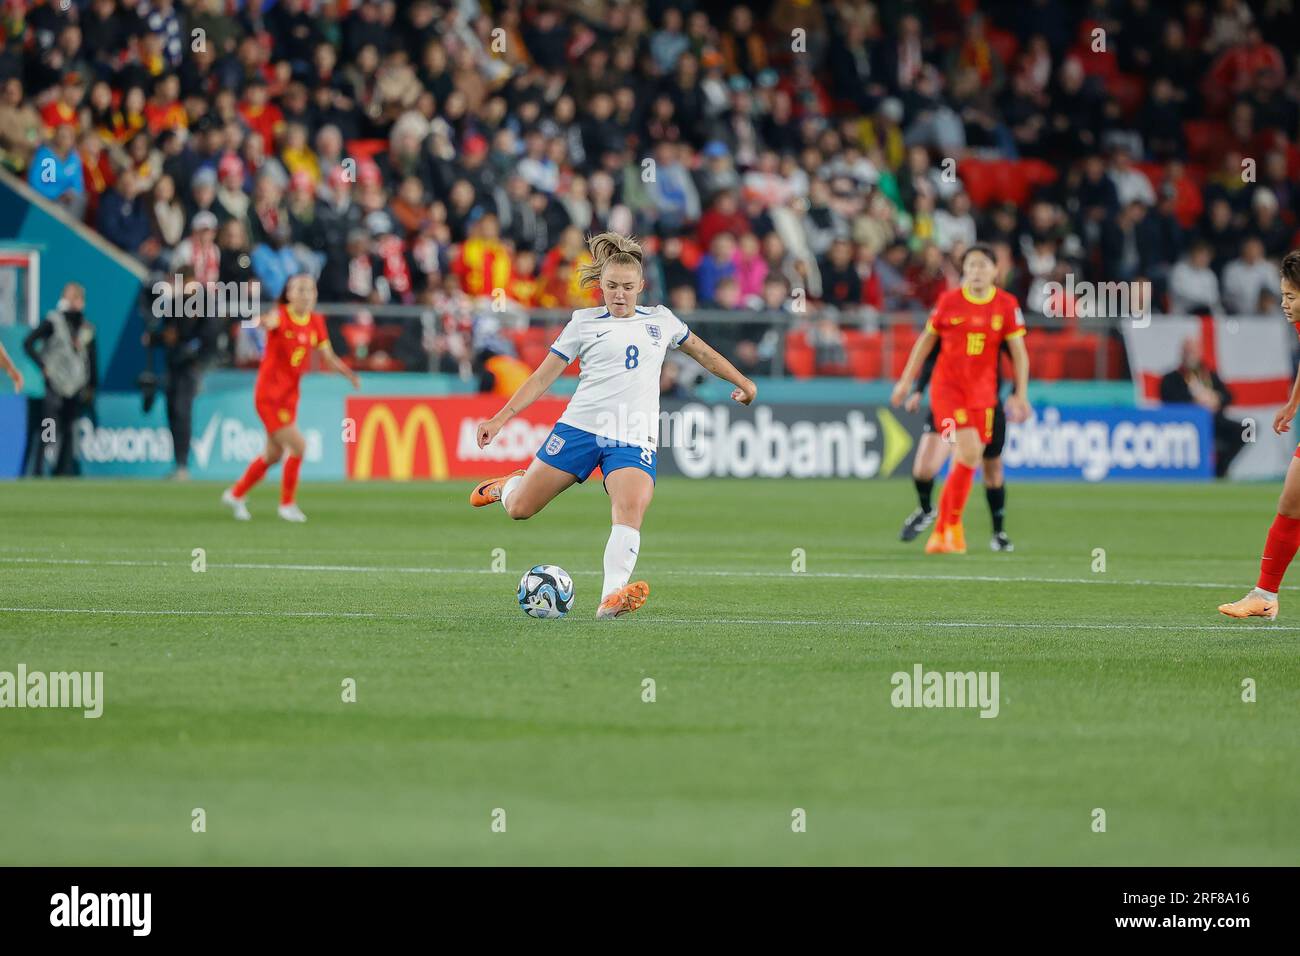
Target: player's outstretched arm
{"type": "Point", "coordinates": [534, 387]}
{"type": "Point", "coordinates": [10, 369]}
{"type": "Point", "coordinates": [710, 359]}
{"type": "Point", "coordinates": [1018, 402]}
{"type": "Point", "coordinates": [1282, 420]}
{"type": "Point", "coordinates": [919, 351]}
{"type": "Point", "coordinates": [338, 365]}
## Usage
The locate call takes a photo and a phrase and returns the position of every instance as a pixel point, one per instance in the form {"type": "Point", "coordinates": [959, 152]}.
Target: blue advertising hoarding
{"type": "Point", "coordinates": [1170, 443]}
{"type": "Point", "coordinates": [125, 442]}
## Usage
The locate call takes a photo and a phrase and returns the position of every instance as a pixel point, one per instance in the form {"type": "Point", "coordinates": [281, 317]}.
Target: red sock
{"type": "Point", "coordinates": [955, 492]}
{"type": "Point", "coordinates": [945, 496]}
{"type": "Point", "coordinates": [252, 475]}
{"type": "Point", "coordinates": [289, 480]}
{"type": "Point", "coordinates": [1279, 548]}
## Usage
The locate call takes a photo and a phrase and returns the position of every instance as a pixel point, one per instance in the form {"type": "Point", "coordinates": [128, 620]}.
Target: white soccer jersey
{"type": "Point", "coordinates": [618, 387]}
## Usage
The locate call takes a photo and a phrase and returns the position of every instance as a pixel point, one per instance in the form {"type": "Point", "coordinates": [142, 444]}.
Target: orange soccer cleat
{"type": "Point", "coordinates": [950, 539]}
{"type": "Point", "coordinates": [956, 538]}
{"type": "Point", "coordinates": [489, 492]}
{"type": "Point", "coordinates": [623, 601]}
{"type": "Point", "coordinates": [1252, 605]}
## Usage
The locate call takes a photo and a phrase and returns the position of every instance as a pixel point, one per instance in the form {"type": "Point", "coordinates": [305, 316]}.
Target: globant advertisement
{"type": "Point", "coordinates": [410, 437]}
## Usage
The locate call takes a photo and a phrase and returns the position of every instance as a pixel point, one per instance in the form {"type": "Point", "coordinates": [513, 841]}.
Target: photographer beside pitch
{"type": "Point", "coordinates": [63, 345]}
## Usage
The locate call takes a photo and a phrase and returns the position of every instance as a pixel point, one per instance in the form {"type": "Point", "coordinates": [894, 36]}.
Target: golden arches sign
{"type": "Point", "coordinates": [400, 443]}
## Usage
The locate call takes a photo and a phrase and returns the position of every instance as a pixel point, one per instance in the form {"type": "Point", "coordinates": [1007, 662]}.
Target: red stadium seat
{"type": "Point", "coordinates": [367, 149]}
{"type": "Point", "coordinates": [979, 180]}
{"type": "Point", "coordinates": [1204, 139]}
{"type": "Point", "coordinates": [358, 336]}
{"type": "Point", "coordinates": [865, 353]}
{"type": "Point", "coordinates": [1005, 45]}
{"type": "Point", "coordinates": [531, 353]}
{"type": "Point", "coordinates": [1079, 356]}
{"type": "Point", "coordinates": [1129, 91]}
{"type": "Point", "coordinates": [1046, 358]}
{"type": "Point", "coordinates": [800, 359]}
{"type": "Point", "coordinates": [904, 337]}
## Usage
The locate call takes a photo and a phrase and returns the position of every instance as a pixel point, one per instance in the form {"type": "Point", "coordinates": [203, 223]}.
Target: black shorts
{"type": "Point", "coordinates": [994, 448]}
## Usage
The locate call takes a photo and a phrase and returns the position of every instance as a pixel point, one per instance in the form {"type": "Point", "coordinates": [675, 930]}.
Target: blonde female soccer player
{"type": "Point", "coordinates": [1284, 536]}
{"type": "Point", "coordinates": [612, 421]}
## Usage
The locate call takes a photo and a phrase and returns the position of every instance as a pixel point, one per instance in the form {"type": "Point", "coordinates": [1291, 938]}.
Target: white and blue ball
{"type": "Point", "coordinates": [546, 591]}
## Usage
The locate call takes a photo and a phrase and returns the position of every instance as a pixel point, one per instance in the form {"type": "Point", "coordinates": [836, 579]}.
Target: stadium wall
{"type": "Point", "coordinates": [409, 426]}
{"type": "Point", "coordinates": [71, 252]}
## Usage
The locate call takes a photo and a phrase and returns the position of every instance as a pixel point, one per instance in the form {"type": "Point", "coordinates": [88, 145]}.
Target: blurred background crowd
{"type": "Point", "coordinates": [829, 160]}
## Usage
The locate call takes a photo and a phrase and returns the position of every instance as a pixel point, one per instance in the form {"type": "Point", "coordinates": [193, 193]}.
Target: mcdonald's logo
{"type": "Point", "coordinates": [401, 422]}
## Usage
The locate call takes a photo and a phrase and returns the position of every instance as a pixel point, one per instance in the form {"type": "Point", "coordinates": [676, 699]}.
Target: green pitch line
{"type": "Point", "coordinates": [1119, 690]}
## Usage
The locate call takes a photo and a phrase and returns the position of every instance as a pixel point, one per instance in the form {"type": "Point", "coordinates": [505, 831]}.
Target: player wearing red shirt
{"type": "Point", "coordinates": [1284, 536]}
{"type": "Point", "coordinates": [293, 332]}
{"type": "Point", "coordinates": [970, 324]}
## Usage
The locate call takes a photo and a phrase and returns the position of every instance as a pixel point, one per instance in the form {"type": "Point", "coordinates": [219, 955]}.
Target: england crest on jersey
{"type": "Point", "coordinates": [654, 331]}
{"type": "Point", "coordinates": [554, 444]}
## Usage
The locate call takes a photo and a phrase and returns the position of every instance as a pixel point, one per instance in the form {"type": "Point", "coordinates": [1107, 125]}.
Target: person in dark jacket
{"type": "Point", "coordinates": [1194, 384]}
{"type": "Point", "coordinates": [187, 332]}
{"type": "Point", "coordinates": [124, 218]}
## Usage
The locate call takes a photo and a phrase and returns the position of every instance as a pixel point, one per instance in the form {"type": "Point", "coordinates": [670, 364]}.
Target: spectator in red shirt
{"type": "Point", "coordinates": [62, 110]}
{"type": "Point", "coordinates": [723, 215]}
{"type": "Point", "coordinates": [164, 110]}
{"type": "Point", "coordinates": [1237, 67]}
{"type": "Point", "coordinates": [263, 117]}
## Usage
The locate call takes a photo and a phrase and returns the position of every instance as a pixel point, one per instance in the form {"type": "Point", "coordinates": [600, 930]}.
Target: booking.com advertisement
{"type": "Point", "coordinates": [1123, 444]}
{"type": "Point", "coordinates": [405, 437]}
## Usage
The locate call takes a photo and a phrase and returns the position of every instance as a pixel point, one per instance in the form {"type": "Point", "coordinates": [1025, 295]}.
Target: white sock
{"type": "Point", "coordinates": [509, 487]}
{"type": "Point", "coordinates": [620, 557]}
{"type": "Point", "coordinates": [1266, 595]}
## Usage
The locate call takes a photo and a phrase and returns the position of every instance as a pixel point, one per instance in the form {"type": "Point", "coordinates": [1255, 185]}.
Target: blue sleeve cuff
{"type": "Point", "coordinates": [686, 334]}
{"type": "Point", "coordinates": [567, 360]}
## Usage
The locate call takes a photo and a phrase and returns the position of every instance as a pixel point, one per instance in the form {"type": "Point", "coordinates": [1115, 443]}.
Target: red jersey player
{"type": "Point", "coordinates": [1284, 535]}
{"type": "Point", "coordinates": [970, 324]}
{"type": "Point", "coordinates": [293, 331]}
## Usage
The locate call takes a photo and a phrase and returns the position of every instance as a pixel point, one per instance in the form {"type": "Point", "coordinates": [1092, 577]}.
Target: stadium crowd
{"type": "Point", "coordinates": [830, 160]}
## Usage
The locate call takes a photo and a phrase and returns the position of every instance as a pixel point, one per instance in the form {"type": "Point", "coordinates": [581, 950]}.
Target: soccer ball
{"type": "Point", "coordinates": [546, 591]}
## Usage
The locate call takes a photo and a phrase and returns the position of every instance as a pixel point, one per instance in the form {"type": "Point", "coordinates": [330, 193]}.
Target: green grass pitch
{"type": "Point", "coordinates": [1120, 690]}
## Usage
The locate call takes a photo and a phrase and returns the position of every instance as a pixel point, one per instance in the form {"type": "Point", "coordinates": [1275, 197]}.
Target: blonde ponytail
{"type": "Point", "coordinates": [606, 249]}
